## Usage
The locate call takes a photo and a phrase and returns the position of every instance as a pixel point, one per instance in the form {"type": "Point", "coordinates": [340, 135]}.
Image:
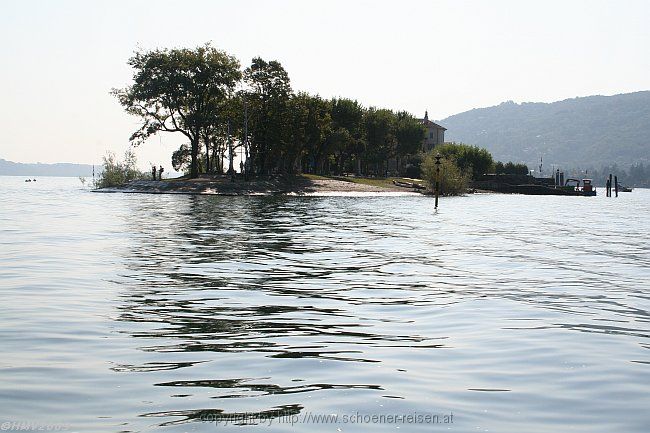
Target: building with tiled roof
{"type": "Point", "coordinates": [435, 134]}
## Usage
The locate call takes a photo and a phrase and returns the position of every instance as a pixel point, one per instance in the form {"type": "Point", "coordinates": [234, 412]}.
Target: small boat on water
{"type": "Point", "coordinates": [587, 188]}
{"type": "Point", "coordinates": [529, 185]}
{"type": "Point", "coordinates": [623, 188]}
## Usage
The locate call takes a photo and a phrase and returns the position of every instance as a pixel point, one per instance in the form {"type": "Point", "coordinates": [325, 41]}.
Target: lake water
{"type": "Point", "coordinates": [171, 313]}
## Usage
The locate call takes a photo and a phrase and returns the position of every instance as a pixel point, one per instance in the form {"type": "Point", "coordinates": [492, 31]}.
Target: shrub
{"type": "Point", "coordinates": [453, 180]}
{"type": "Point", "coordinates": [116, 173]}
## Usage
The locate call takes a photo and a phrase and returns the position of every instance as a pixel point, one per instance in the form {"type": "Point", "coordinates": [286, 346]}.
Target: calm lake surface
{"type": "Point", "coordinates": [172, 313]}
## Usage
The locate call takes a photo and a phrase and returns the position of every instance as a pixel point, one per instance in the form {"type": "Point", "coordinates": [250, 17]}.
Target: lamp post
{"type": "Point", "coordinates": [437, 178]}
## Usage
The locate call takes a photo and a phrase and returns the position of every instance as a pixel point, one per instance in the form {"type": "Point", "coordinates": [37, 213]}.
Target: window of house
{"type": "Point", "coordinates": [430, 134]}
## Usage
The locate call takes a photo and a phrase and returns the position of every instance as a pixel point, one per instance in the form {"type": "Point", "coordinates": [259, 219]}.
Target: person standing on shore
{"type": "Point", "coordinates": [160, 172]}
{"type": "Point", "coordinates": [153, 172]}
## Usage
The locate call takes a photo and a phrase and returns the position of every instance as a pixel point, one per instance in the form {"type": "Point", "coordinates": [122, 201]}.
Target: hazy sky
{"type": "Point", "coordinates": [61, 58]}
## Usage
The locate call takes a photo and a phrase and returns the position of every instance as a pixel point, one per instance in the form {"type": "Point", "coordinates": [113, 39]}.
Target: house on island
{"type": "Point", "coordinates": [435, 134]}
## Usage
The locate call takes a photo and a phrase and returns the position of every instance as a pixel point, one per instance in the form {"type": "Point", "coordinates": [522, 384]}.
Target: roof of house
{"type": "Point", "coordinates": [429, 124]}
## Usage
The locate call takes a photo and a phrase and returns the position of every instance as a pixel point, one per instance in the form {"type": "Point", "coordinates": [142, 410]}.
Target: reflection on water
{"type": "Point", "coordinates": [134, 313]}
{"type": "Point", "coordinates": [217, 415]}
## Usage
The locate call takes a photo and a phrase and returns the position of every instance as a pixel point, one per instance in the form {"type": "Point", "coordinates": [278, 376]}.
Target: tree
{"type": "Point", "coordinates": [182, 158]}
{"type": "Point", "coordinates": [226, 131]}
{"type": "Point", "coordinates": [380, 135]}
{"type": "Point", "coordinates": [510, 168]}
{"type": "Point", "coordinates": [347, 124]}
{"type": "Point", "coordinates": [473, 158]}
{"type": "Point", "coordinates": [179, 90]}
{"type": "Point", "coordinates": [409, 133]}
{"type": "Point", "coordinates": [268, 99]}
{"type": "Point", "coordinates": [318, 138]}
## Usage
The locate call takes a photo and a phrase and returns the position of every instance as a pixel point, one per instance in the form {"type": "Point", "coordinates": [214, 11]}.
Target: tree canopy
{"type": "Point", "coordinates": [474, 159]}
{"type": "Point", "coordinates": [180, 90]}
{"type": "Point", "coordinates": [203, 94]}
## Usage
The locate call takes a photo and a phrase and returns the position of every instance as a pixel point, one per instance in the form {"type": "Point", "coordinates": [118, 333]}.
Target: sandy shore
{"type": "Point", "coordinates": [299, 185]}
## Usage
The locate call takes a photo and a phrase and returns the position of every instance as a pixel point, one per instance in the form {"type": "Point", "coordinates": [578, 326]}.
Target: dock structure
{"type": "Point", "coordinates": [529, 185]}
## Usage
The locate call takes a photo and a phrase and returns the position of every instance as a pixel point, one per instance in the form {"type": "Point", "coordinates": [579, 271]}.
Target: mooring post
{"type": "Point", "coordinates": [437, 178]}
{"type": "Point", "coordinates": [616, 185]}
{"type": "Point", "coordinates": [610, 185]}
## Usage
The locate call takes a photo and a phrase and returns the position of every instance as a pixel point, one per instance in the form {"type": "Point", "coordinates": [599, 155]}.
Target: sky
{"type": "Point", "coordinates": [60, 59]}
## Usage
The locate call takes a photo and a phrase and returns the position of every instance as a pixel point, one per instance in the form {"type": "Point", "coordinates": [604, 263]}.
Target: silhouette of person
{"type": "Point", "coordinates": [153, 172]}
{"type": "Point", "coordinates": [160, 172]}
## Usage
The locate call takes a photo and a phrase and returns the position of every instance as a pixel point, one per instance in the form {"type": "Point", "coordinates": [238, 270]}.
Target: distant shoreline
{"type": "Point", "coordinates": [296, 185]}
{"type": "Point", "coordinates": [59, 169]}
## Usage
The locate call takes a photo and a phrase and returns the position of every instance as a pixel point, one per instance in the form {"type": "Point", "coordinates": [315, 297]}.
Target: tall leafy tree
{"type": "Point", "coordinates": [227, 130]}
{"type": "Point", "coordinates": [380, 135]}
{"type": "Point", "coordinates": [347, 124]}
{"type": "Point", "coordinates": [409, 133]}
{"type": "Point", "coordinates": [317, 132]}
{"type": "Point", "coordinates": [268, 98]}
{"type": "Point", "coordinates": [179, 90]}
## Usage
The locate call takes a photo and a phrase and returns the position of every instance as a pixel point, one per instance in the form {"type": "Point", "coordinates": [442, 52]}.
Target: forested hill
{"type": "Point", "coordinates": [8, 168]}
{"type": "Point", "coordinates": [580, 132]}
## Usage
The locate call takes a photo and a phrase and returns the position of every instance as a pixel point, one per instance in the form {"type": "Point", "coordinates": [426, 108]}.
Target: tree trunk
{"type": "Point", "coordinates": [194, 168]}
{"type": "Point", "coordinates": [207, 155]}
{"type": "Point", "coordinates": [214, 157]}
{"type": "Point", "coordinates": [261, 158]}
{"type": "Point", "coordinates": [220, 161]}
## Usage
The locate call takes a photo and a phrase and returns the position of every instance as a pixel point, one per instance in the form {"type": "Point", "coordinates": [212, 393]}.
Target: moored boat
{"type": "Point", "coordinates": [587, 188]}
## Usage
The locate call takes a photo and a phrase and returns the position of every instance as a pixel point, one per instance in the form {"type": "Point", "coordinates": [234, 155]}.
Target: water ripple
{"type": "Point", "coordinates": [123, 310]}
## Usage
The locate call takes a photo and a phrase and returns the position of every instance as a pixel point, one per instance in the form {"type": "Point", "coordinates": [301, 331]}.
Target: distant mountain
{"type": "Point", "coordinates": [580, 132]}
{"type": "Point", "coordinates": [8, 168]}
